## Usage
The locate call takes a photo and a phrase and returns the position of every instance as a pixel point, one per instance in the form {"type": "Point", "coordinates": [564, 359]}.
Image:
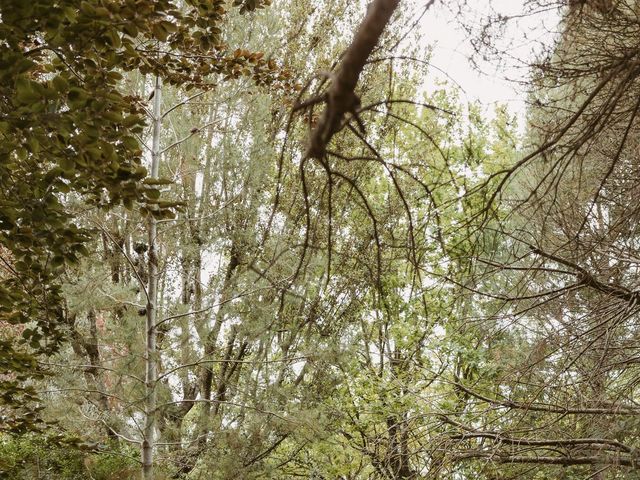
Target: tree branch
{"type": "Point", "coordinates": [341, 97]}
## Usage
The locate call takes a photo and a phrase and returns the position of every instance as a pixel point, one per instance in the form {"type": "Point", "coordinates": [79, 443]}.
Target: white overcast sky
{"type": "Point", "coordinates": [441, 28]}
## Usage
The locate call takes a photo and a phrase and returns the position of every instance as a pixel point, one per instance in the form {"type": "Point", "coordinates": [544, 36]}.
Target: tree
{"type": "Point", "coordinates": [561, 272]}
{"type": "Point", "coordinates": [71, 131]}
{"type": "Point", "coordinates": [345, 277]}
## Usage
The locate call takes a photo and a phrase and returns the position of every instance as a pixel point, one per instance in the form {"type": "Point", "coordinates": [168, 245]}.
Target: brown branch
{"type": "Point", "coordinates": [626, 461]}
{"type": "Point", "coordinates": [538, 407]}
{"type": "Point", "coordinates": [341, 97]}
{"type": "Point", "coordinates": [562, 442]}
{"type": "Point", "coordinates": [587, 279]}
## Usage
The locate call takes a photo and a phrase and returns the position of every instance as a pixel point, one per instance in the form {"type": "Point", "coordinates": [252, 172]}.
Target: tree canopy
{"type": "Point", "coordinates": [254, 239]}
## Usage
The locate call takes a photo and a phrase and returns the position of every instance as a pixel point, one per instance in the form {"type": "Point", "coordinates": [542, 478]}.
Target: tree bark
{"type": "Point", "coordinates": [341, 97]}
{"type": "Point", "coordinates": [151, 377]}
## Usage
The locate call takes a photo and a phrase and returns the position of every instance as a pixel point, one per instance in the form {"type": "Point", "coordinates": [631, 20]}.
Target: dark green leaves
{"type": "Point", "coordinates": [251, 5]}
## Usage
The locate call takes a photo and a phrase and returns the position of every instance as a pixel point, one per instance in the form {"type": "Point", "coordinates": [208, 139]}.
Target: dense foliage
{"type": "Point", "coordinates": [429, 292]}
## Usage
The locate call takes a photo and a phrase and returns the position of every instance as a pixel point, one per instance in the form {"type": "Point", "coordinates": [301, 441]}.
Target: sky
{"type": "Point", "coordinates": [452, 49]}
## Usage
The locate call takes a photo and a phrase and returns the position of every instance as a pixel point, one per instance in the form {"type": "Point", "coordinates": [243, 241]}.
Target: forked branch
{"type": "Point", "coordinates": [341, 97]}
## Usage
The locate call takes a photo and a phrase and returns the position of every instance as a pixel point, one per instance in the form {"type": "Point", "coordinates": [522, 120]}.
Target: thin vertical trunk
{"type": "Point", "coordinates": [93, 354]}
{"type": "Point", "coordinates": [88, 347]}
{"type": "Point", "coordinates": [212, 338]}
{"type": "Point", "coordinates": [151, 377]}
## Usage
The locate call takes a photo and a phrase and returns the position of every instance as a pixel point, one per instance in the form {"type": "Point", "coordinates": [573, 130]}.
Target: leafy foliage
{"type": "Point", "coordinates": [27, 457]}
{"type": "Point", "coordinates": [70, 130]}
{"type": "Point", "coordinates": [424, 298]}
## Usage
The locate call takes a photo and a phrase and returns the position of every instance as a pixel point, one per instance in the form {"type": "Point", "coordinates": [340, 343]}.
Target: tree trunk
{"type": "Point", "coordinates": [151, 377]}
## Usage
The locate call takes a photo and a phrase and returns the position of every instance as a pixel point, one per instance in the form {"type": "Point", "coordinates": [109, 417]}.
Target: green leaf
{"type": "Point", "coordinates": [77, 97]}
{"type": "Point", "coordinates": [158, 181]}
{"type": "Point", "coordinates": [130, 143]}
{"type": "Point", "coordinates": [60, 84]}
{"type": "Point", "coordinates": [152, 193]}
{"type": "Point", "coordinates": [25, 92]}
{"type": "Point", "coordinates": [67, 164]}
